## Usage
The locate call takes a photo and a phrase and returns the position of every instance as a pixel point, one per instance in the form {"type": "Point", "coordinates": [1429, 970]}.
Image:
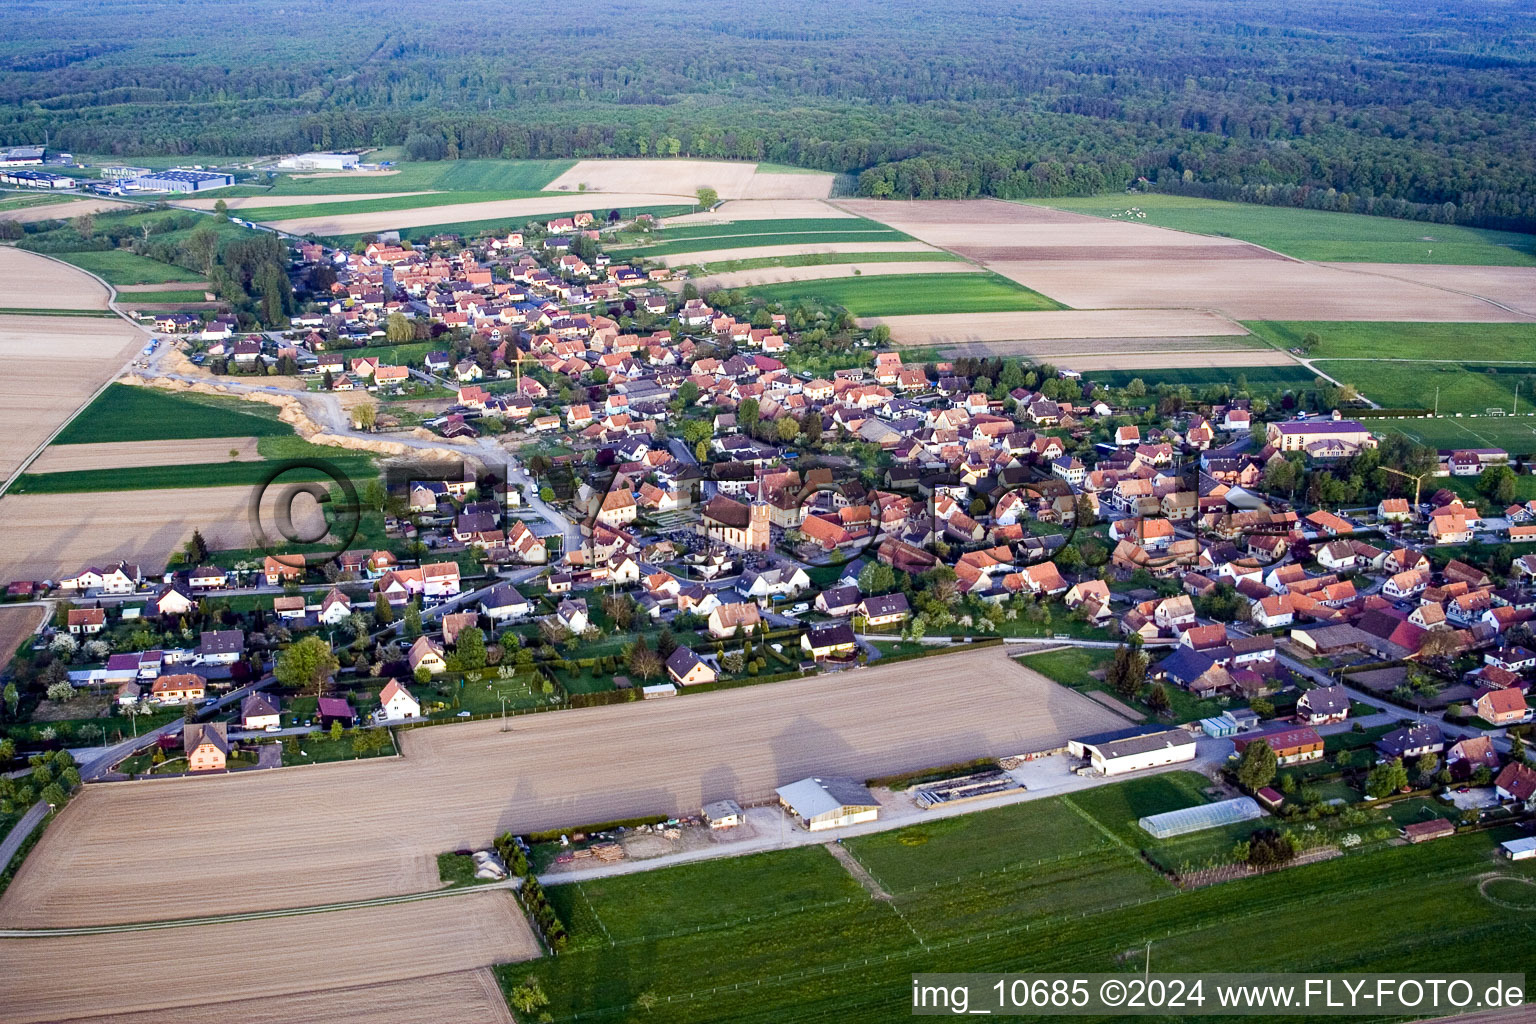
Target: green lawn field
{"type": "Point", "coordinates": [126, 413]}
{"type": "Point", "coordinates": [119, 267]}
{"type": "Point", "coordinates": [381, 205]}
{"type": "Point", "coordinates": [1463, 387]}
{"type": "Point", "coordinates": [15, 201]}
{"type": "Point", "coordinates": [208, 474]}
{"type": "Point", "coordinates": [758, 239]}
{"type": "Point", "coordinates": [1376, 340]}
{"type": "Point", "coordinates": [501, 225]}
{"type": "Point", "coordinates": [1260, 378]}
{"type": "Point", "coordinates": [904, 294]}
{"type": "Point", "coordinates": [821, 259]}
{"type": "Point", "coordinates": [1515, 434]}
{"type": "Point", "coordinates": [143, 299]}
{"type": "Point", "coordinates": [807, 943]}
{"type": "Point", "coordinates": [1315, 234]}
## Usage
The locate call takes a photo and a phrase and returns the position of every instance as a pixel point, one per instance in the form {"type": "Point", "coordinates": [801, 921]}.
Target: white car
{"type": "Point", "coordinates": [796, 609]}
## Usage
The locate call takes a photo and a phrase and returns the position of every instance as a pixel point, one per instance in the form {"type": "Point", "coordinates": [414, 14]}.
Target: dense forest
{"type": "Point", "coordinates": [1417, 108]}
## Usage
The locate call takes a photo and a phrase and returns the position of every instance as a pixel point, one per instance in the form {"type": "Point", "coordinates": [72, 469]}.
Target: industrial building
{"type": "Point", "coordinates": [319, 162]}
{"type": "Point", "coordinates": [181, 181]}
{"type": "Point", "coordinates": [122, 172]}
{"type": "Point", "coordinates": [36, 179]}
{"type": "Point", "coordinates": [1129, 750]}
{"type": "Point", "coordinates": [22, 156]}
{"type": "Point", "coordinates": [828, 803]}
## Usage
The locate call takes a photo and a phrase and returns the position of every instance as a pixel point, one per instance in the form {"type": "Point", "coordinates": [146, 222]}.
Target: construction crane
{"type": "Point", "coordinates": [1418, 482]}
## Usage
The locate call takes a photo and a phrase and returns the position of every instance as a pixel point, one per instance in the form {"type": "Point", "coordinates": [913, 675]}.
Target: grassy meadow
{"type": "Point", "coordinates": [822, 259]}
{"type": "Point", "coordinates": [1378, 340]}
{"type": "Point", "coordinates": [904, 294]}
{"type": "Point", "coordinates": [127, 413]}
{"type": "Point", "coordinates": [1315, 234]}
{"type": "Point", "coordinates": [1055, 884]}
{"type": "Point", "coordinates": [121, 268]}
{"type": "Point", "coordinates": [753, 234]}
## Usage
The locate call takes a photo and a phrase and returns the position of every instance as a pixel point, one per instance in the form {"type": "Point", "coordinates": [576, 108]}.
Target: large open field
{"type": "Point", "coordinates": [118, 267]}
{"type": "Point", "coordinates": [730, 180]}
{"type": "Point", "coordinates": [295, 208]}
{"type": "Point", "coordinates": [1514, 287]}
{"type": "Point", "coordinates": [1489, 343]}
{"type": "Point", "coordinates": [49, 535]}
{"type": "Point", "coordinates": [298, 959]}
{"type": "Point", "coordinates": [1314, 234]}
{"type": "Point", "coordinates": [805, 247]}
{"type": "Point", "coordinates": [453, 212]}
{"type": "Point", "coordinates": [132, 413]}
{"type": "Point", "coordinates": [70, 458]}
{"type": "Point", "coordinates": [29, 281]}
{"type": "Point", "coordinates": [1092, 263]}
{"type": "Point", "coordinates": [1053, 885]}
{"type": "Point", "coordinates": [834, 266]}
{"type": "Point", "coordinates": [955, 329]}
{"type": "Point", "coordinates": [1260, 378]}
{"type": "Point", "coordinates": [16, 624]}
{"type": "Point", "coordinates": [911, 294]}
{"type": "Point", "coordinates": [755, 234]}
{"type": "Point", "coordinates": [363, 829]}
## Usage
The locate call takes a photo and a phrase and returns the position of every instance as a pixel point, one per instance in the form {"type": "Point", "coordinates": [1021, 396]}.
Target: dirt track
{"type": "Point", "coordinates": [296, 959]}
{"type": "Point", "coordinates": [369, 828]}
{"type": "Point", "coordinates": [1046, 325]}
{"type": "Point", "coordinates": [50, 535]}
{"type": "Point", "coordinates": [65, 458]}
{"type": "Point", "coordinates": [775, 275]}
{"type": "Point", "coordinates": [30, 281]}
{"type": "Point", "coordinates": [16, 624]}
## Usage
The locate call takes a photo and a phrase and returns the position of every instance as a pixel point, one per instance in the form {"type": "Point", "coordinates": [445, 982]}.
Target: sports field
{"type": "Point", "coordinates": [911, 294]}
{"type": "Point", "coordinates": [1515, 434]}
{"type": "Point", "coordinates": [1314, 234]}
{"type": "Point", "coordinates": [128, 413]}
{"type": "Point", "coordinates": [1051, 885]}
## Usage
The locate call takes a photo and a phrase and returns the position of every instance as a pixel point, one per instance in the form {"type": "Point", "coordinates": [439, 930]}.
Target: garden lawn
{"type": "Point", "coordinates": [119, 267]}
{"type": "Point", "coordinates": [909, 294]}
{"type": "Point", "coordinates": [128, 413]}
{"type": "Point", "coordinates": [319, 748]}
{"type": "Point", "coordinates": [1316, 234]}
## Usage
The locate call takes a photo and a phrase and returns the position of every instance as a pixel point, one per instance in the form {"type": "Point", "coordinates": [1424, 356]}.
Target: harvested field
{"type": "Point", "coordinates": [685, 259]}
{"type": "Point", "coordinates": [1511, 286]}
{"type": "Point", "coordinates": [66, 458]}
{"type": "Point", "coordinates": [1130, 353]}
{"type": "Point", "coordinates": [780, 275]}
{"type": "Point", "coordinates": [49, 366]}
{"type": "Point", "coordinates": [1047, 325]}
{"type": "Point", "coordinates": [452, 213]}
{"type": "Point", "coordinates": [370, 828]}
{"type": "Point", "coordinates": [49, 535]}
{"type": "Point", "coordinates": [733, 210]}
{"type": "Point", "coordinates": [729, 179]}
{"type": "Point", "coordinates": [16, 624]}
{"type": "Point", "coordinates": [297, 957]}
{"type": "Point", "coordinates": [30, 281]}
{"type": "Point", "coordinates": [1093, 263]}
{"type": "Point", "coordinates": [1280, 291]}
{"type": "Point", "coordinates": [464, 997]}
{"type": "Point", "coordinates": [258, 202]}
{"type": "Point", "coordinates": [135, 290]}
{"type": "Point", "coordinates": [61, 210]}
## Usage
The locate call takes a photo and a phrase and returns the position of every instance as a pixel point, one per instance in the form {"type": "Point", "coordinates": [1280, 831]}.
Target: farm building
{"type": "Point", "coordinates": [1200, 817]}
{"type": "Point", "coordinates": [181, 181]}
{"type": "Point", "coordinates": [1520, 849]}
{"type": "Point", "coordinates": [319, 162]}
{"type": "Point", "coordinates": [1129, 750]}
{"type": "Point", "coordinates": [1424, 831]}
{"type": "Point", "coordinates": [724, 814]}
{"type": "Point", "coordinates": [828, 803]}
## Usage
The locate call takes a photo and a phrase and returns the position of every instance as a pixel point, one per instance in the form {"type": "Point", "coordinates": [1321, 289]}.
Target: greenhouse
{"type": "Point", "coordinates": [1201, 817]}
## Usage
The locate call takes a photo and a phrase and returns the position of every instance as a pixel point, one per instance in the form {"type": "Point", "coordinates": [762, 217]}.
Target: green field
{"type": "Point", "coordinates": [1491, 343]}
{"type": "Point", "coordinates": [1051, 885]}
{"type": "Point", "coordinates": [206, 474]}
{"type": "Point", "coordinates": [500, 225]}
{"type": "Point", "coordinates": [1515, 434]}
{"type": "Point", "coordinates": [438, 176]}
{"type": "Point", "coordinates": [143, 300]}
{"type": "Point", "coordinates": [1463, 387]}
{"type": "Point", "coordinates": [380, 205]}
{"type": "Point", "coordinates": [13, 201]}
{"type": "Point", "coordinates": [1260, 378]}
{"type": "Point", "coordinates": [1316, 234]}
{"type": "Point", "coordinates": [126, 413]}
{"type": "Point", "coordinates": [119, 267]}
{"type": "Point", "coordinates": [821, 259]}
{"type": "Point", "coordinates": [903, 294]}
{"type": "Point", "coordinates": [752, 234]}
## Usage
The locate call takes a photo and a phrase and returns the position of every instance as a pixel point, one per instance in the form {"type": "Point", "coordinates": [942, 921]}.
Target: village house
{"type": "Point", "coordinates": [396, 704]}
{"type": "Point", "coordinates": [206, 745]}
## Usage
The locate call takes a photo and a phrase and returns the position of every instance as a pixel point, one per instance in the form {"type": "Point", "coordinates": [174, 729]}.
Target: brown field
{"type": "Point", "coordinates": [1050, 325]}
{"type": "Point", "coordinates": [1090, 263]}
{"type": "Point", "coordinates": [362, 829]}
{"type": "Point", "coordinates": [49, 535]}
{"type": "Point", "coordinates": [299, 958]}
{"type": "Point", "coordinates": [1511, 286]}
{"type": "Point", "coordinates": [775, 275]}
{"type": "Point", "coordinates": [61, 210]}
{"type": "Point", "coordinates": [66, 458]}
{"type": "Point", "coordinates": [760, 209]}
{"type": "Point", "coordinates": [258, 202]}
{"type": "Point", "coordinates": [16, 624]}
{"type": "Point", "coordinates": [688, 259]}
{"type": "Point", "coordinates": [30, 281]}
{"type": "Point", "coordinates": [134, 291]}
{"type": "Point", "coordinates": [730, 179]}
{"type": "Point", "coordinates": [451, 213]}
{"type": "Point", "coordinates": [464, 997]}
{"type": "Point", "coordinates": [49, 367]}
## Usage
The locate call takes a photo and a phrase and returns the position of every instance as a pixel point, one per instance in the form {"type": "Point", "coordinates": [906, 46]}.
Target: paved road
{"type": "Point", "coordinates": [19, 832]}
